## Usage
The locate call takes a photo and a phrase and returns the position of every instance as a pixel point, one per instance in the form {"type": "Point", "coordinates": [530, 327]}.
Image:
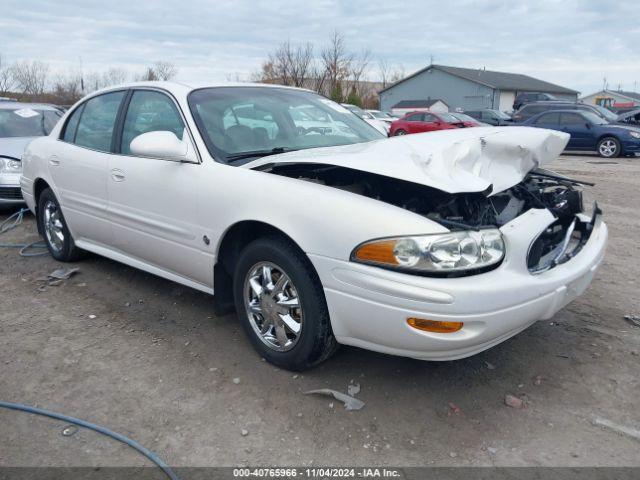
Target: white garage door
{"type": "Point", "coordinates": [506, 101]}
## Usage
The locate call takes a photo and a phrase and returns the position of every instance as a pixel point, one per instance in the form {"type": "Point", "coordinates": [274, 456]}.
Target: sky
{"type": "Point", "coordinates": [574, 43]}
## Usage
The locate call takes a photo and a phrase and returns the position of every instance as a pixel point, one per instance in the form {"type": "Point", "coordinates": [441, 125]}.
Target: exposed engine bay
{"type": "Point", "coordinates": [540, 189]}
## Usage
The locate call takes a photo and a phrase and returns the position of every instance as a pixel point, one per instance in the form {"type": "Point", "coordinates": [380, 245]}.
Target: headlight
{"type": "Point", "coordinates": [9, 165]}
{"type": "Point", "coordinates": [635, 134]}
{"type": "Point", "coordinates": [439, 253]}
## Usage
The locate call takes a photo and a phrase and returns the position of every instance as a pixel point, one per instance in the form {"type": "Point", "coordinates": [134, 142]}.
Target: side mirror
{"type": "Point", "coordinates": [163, 144]}
{"type": "Point", "coordinates": [588, 125]}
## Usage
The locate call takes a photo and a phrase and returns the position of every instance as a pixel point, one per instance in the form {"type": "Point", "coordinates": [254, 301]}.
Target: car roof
{"type": "Point", "coordinates": [183, 88]}
{"type": "Point", "coordinates": [556, 102]}
{"type": "Point", "coordinates": [558, 110]}
{"type": "Point", "coordinates": [11, 105]}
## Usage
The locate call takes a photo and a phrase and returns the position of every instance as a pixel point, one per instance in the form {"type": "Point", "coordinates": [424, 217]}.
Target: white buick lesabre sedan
{"type": "Point", "coordinates": [435, 246]}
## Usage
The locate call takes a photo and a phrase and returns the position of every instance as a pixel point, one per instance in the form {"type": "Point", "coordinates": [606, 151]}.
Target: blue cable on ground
{"type": "Point", "coordinates": [5, 226]}
{"type": "Point", "coordinates": [96, 428]}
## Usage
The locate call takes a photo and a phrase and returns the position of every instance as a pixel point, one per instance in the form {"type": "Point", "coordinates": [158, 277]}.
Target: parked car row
{"type": "Point", "coordinates": [591, 127]}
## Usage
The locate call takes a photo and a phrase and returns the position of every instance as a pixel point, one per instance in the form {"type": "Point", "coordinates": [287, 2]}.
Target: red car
{"type": "Point", "coordinates": [417, 122]}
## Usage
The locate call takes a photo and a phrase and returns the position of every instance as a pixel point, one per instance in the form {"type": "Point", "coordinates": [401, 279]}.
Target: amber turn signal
{"type": "Point", "coordinates": [379, 252]}
{"type": "Point", "coordinates": [434, 325]}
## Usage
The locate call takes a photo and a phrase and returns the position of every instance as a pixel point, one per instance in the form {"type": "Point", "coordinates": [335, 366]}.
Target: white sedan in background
{"type": "Point", "coordinates": [19, 124]}
{"type": "Point", "coordinates": [434, 246]}
{"type": "Point", "coordinates": [381, 126]}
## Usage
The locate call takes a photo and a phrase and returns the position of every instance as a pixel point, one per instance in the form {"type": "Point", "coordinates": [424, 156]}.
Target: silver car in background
{"type": "Point", "coordinates": [19, 124]}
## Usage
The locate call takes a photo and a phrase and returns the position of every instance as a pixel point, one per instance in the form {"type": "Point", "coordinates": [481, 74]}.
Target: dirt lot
{"type": "Point", "coordinates": [147, 358]}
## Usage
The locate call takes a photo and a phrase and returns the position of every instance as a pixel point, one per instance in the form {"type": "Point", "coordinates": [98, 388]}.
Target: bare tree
{"type": "Point", "coordinates": [114, 76]}
{"type": "Point", "coordinates": [336, 62]}
{"type": "Point", "coordinates": [357, 70]}
{"type": "Point", "coordinates": [289, 65]}
{"type": "Point", "coordinates": [158, 71]}
{"type": "Point", "coordinates": [384, 72]}
{"type": "Point", "coordinates": [397, 74]}
{"type": "Point", "coordinates": [165, 70]}
{"type": "Point", "coordinates": [6, 77]}
{"type": "Point", "coordinates": [149, 75]}
{"type": "Point", "coordinates": [31, 77]}
{"type": "Point", "coordinates": [67, 89]}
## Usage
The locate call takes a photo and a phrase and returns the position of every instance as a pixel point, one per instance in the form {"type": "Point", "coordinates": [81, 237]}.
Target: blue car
{"type": "Point", "coordinates": [590, 132]}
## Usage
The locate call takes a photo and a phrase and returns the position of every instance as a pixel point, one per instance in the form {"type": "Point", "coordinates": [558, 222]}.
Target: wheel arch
{"type": "Point", "coordinates": [231, 244]}
{"type": "Point", "coordinates": [39, 185]}
{"type": "Point", "coordinates": [606, 135]}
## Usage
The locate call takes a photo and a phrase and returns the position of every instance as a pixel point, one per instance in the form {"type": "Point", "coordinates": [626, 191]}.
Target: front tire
{"type": "Point", "coordinates": [281, 305]}
{"type": "Point", "coordinates": [399, 132]}
{"type": "Point", "coordinates": [54, 228]}
{"type": "Point", "coordinates": [609, 147]}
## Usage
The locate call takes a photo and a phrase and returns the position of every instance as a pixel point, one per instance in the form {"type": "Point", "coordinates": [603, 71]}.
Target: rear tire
{"type": "Point", "coordinates": [54, 228]}
{"type": "Point", "coordinates": [314, 341]}
{"type": "Point", "coordinates": [609, 147]}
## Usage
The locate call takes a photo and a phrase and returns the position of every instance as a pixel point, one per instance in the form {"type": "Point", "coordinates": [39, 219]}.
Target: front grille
{"type": "Point", "coordinates": [10, 193]}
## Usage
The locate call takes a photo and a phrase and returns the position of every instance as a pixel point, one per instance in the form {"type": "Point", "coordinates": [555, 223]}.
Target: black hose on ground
{"type": "Point", "coordinates": [96, 428]}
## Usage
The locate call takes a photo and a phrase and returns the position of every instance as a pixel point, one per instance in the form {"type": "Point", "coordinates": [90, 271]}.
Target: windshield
{"type": "Point", "coordinates": [464, 117]}
{"type": "Point", "coordinates": [239, 123]}
{"type": "Point", "coordinates": [358, 111]}
{"type": "Point", "coordinates": [447, 117]}
{"type": "Point", "coordinates": [595, 119]}
{"type": "Point", "coordinates": [608, 114]}
{"type": "Point", "coordinates": [380, 115]}
{"type": "Point", "coordinates": [27, 122]}
{"type": "Point", "coordinates": [501, 115]}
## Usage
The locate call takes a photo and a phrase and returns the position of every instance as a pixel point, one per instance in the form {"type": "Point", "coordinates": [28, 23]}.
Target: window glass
{"type": "Point", "coordinates": [241, 123]}
{"type": "Point", "coordinates": [72, 125]}
{"type": "Point", "coordinates": [310, 119]}
{"type": "Point", "coordinates": [150, 111]}
{"type": "Point", "coordinates": [534, 109]}
{"type": "Point", "coordinates": [430, 118]}
{"type": "Point", "coordinates": [27, 121]}
{"type": "Point", "coordinates": [548, 119]}
{"type": "Point", "coordinates": [447, 117]}
{"type": "Point", "coordinates": [571, 119]}
{"type": "Point", "coordinates": [96, 124]}
{"type": "Point", "coordinates": [253, 125]}
{"type": "Point", "coordinates": [416, 117]}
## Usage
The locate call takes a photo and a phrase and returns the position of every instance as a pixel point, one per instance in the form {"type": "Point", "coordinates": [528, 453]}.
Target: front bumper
{"type": "Point", "coordinates": [369, 306]}
{"type": "Point", "coordinates": [10, 193]}
{"type": "Point", "coordinates": [631, 146]}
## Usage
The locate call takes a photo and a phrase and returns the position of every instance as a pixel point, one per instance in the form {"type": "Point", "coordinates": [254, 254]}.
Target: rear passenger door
{"type": "Point", "coordinates": [414, 123]}
{"type": "Point", "coordinates": [582, 136]}
{"type": "Point", "coordinates": [431, 123]}
{"type": "Point", "coordinates": [79, 167]}
{"type": "Point", "coordinates": [153, 201]}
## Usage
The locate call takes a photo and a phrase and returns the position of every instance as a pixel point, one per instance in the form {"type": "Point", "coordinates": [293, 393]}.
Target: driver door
{"type": "Point", "coordinates": [153, 201]}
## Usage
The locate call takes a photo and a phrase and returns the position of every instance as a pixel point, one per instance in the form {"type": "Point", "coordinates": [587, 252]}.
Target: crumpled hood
{"type": "Point", "coordinates": [454, 161]}
{"type": "Point", "coordinates": [14, 146]}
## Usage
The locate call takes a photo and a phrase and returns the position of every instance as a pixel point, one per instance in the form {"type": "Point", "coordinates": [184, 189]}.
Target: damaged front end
{"type": "Point", "coordinates": [539, 189]}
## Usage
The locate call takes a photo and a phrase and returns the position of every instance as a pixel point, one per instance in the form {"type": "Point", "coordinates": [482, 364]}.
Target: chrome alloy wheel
{"type": "Point", "coordinates": [608, 148]}
{"type": "Point", "coordinates": [53, 227]}
{"type": "Point", "coordinates": [273, 307]}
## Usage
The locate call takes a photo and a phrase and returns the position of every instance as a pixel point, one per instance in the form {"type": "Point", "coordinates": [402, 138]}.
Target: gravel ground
{"type": "Point", "coordinates": [147, 358]}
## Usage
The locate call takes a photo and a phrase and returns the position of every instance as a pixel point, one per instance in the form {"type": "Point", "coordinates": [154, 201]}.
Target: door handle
{"type": "Point", "coordinates": [54, 161]}
{"type": "Point", "coordinates": [117, 175]}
